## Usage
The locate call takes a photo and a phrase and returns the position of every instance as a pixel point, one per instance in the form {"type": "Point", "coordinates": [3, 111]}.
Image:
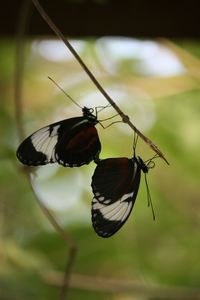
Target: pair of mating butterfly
{"type": "Point", "coordinates": [74, 142]}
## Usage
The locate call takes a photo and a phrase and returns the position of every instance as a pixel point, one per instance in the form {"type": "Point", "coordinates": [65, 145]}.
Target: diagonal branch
{"type": "Point", "coordinates": [124, 117]}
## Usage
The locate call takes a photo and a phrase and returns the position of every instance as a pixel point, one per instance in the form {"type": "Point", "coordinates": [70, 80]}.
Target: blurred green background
{"type": "Point", "coordinates": [158, 84]}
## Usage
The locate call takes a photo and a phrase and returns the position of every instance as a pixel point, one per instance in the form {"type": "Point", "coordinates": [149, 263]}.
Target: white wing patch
{"type": "Point", "coordinates": [126, 196]}
{"type": "Point", "coordinates": [44, 141]}
{"type": "Point", "coordinates": [117, 211]}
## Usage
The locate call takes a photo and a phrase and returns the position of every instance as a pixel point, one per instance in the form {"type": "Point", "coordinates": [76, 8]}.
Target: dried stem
{"type": "Point", "coordinates": [66, 237]}
{"type": "Point", "coordinates": [123, 287]}
{"type": "Point", "coordinates": [124, 117]}
{"type": "Point", "coordinates": [18, 81]}
{"type": "Point", "coordinates": [19, 69]}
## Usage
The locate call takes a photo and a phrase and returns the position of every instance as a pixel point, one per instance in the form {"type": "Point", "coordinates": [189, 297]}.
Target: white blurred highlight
{"type": "Point", "coordinates": [146, 58]}
{"type": "Point", "coordinates": [55, 50]}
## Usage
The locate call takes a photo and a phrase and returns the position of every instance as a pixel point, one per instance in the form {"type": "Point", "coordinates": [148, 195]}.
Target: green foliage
{"type": "Point", "coordinates": [162, 252]}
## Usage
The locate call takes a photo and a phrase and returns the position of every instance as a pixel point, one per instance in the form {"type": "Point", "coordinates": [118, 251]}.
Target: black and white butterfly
{"type": "Point", "coordinates": [115, 185]}
{"type": "Point", "coordinates": [72, 142]}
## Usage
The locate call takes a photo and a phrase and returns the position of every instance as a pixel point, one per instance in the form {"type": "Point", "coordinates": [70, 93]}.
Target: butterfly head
{"type": "Point", "coordinates": [142, 164]}
{"type": "Point", "coordinates": [88, 113]}
{"type": "Point", "coordinates": [145, 166]}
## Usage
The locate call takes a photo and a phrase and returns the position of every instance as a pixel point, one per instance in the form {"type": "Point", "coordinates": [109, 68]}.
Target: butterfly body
{"type": "Point", "coordinates": [115, 185]}
{"type": "Point", "coordinates": [72, 142]}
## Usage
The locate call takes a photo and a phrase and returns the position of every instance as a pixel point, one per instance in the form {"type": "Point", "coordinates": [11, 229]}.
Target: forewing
{"type": "Point", "coordinates": [39, 148]}
{"type": "Point", "coordinates": [109, 211]}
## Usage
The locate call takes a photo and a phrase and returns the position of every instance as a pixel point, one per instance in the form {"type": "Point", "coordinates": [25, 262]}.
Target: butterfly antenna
{"type": "Point", "coordinates": [65, 93]}
{"type": "Point", "coordinates": [149, 201]}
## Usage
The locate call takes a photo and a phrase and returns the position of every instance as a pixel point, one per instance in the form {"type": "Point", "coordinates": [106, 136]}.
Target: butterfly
{"type": "Point", "coordinates": [115, 185]}
{"type": "Point", "coordinates": [71, 142]}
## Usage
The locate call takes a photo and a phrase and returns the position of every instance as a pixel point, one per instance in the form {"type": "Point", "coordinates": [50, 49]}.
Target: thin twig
{"type": "Point", "coordinates": [124, 117]}
{"type": "Point", "coordinates": [123, 286]}
{"type": "Point", "coordinates": [66, 237]}
{"type": "Point", "coordinates": [19, 58]}
{"type": "Point", "coordinates": [19, 69]}
{"type": "Point", "coordinates": [68, 272]}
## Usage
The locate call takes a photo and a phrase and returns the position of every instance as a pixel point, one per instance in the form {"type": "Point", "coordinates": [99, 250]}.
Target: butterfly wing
{"type": "Point", "coordinates": [52, 144]}
{"type": "Point", "coordinates": [78, 146]}
{"type": "Point", "coordinates": [39, 148]}
{"type": "Point", "coordinates": [115, 185]}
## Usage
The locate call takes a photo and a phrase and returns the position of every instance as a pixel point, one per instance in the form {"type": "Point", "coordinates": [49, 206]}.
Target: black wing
{"type": "Point", "coordinates": [63, 142]}
{"type": "Point", "coordinates": [78, 146]}
{"type": "Point", "coordinates": [115, 184]}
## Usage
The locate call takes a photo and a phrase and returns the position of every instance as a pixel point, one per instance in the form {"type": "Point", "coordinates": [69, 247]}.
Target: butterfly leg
{"type": "Point", "coordinates": [101, 108]}
{"type": "Point", "coordinates": [104, 127]}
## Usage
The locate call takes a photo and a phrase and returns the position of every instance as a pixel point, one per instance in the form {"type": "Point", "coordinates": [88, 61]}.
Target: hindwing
{"type": "Point", "coordinates": [115, 185]}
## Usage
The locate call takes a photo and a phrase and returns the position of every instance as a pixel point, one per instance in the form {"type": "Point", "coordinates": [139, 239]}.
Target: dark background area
{"type": "Point", "coordinates": [133, 18]}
